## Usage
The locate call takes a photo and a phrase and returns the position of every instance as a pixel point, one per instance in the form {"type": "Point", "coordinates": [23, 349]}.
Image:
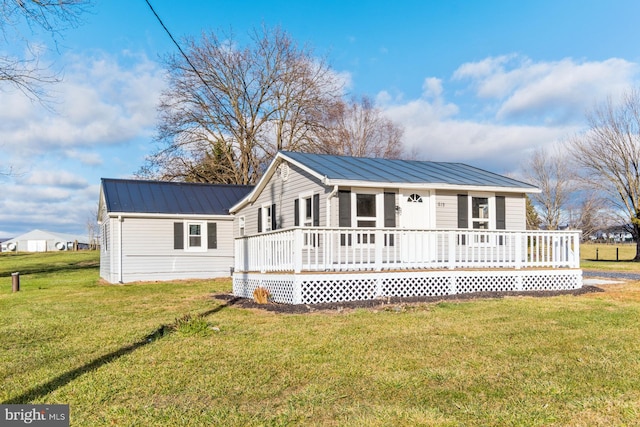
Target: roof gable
{"type": "Point", "coordinates": [160, 197]}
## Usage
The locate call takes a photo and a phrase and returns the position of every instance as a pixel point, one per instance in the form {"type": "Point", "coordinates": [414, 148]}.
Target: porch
{"type": "Point", "coordinates": [319, 264]}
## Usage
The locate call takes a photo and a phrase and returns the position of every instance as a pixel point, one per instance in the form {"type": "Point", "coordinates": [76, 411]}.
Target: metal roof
{"type": "Point", "coordinates": [138, 196]}
{"type": "Point", "coordinates": [400, 171]}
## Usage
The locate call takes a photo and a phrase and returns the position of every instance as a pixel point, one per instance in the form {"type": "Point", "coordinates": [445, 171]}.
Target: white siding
{"type": "Point", "coordinates": [283, 193]}
{"type": "Point", "coordinates": [516, 212]}
{"type": "Point", "coordinates": [148, 253]}
{"type": "Point", "coordinates": [446, 209]}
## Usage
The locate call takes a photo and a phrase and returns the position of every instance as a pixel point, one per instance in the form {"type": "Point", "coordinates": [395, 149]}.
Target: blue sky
{"type": "Point", "coordinates": [478, 82]}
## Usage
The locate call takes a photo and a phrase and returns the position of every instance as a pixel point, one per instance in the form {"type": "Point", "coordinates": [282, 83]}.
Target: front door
{"type": "Point", "coordinates": [414, 211]}
{"type": "Point", "coordinates": [418, 247]}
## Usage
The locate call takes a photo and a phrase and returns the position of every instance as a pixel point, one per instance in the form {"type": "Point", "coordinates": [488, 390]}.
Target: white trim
{"type": "Point", "coordinates": [203, 217]}
{"type": "Point", "coordinates": [204, 233]}
{"type": "Point", "coordinates": [263, 212]}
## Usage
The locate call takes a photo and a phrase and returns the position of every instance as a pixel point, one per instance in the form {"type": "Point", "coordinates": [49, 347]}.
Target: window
{"type": "Point", "coordinates": [366, 215]}
{"type": "Point", "coordinates": [267, 218]}
{"type": "Point", "coordinates": [241, 225]}
{"type": "Point", "coordinates": [308, 212]}
{"type": "Point", "coordinates": [480, 213]}
{"type": "Point", "coordinates": [414, 198]}
{"type": "Point", "coordinates": [195, 235]}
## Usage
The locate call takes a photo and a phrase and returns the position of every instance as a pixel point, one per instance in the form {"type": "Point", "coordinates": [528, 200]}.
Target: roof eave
{"type": "Point", "coordinates": [429, 186]}
{"type": "Point", "coordinates": [167, 215]}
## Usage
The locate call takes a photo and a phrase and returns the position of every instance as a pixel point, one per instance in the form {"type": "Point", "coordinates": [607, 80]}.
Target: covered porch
{"type": "Point", "coordinates": [320, 264]}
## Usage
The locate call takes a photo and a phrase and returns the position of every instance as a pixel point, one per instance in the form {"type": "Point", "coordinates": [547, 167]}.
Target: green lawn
{"type": "Point", "coordinates": [165, 354]}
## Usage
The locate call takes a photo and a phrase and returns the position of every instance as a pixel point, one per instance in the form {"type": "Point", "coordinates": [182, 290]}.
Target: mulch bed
{"type": "Point", "coordinates": [382, 302]}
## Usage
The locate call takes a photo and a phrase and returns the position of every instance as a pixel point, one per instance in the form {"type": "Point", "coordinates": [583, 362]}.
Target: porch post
{"type": "Point", "coordinates": [576, 250]}
{"type": "Point", "coordinates": [518, 250]}
{"type": "Point", "coordinates": [378, 248]}
{"type": "Point", "coordinates": [452, 250]}
{"type": "Point", "coordinates": [297, 250]}
{"type": "Point", "coordinates": [297, 290]}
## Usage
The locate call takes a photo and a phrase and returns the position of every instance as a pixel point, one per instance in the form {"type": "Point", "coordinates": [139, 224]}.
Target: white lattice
{"type": "Point", "coordinates": [551, 282]}
{"type": "Point", "coordinates": [498, 282]}
{"type": "Point", "coordinates": [281, 288]}
{"type": "Point", "coordinates": [335, 287]}
{"type": "Point", "coordinates": [428, 285]}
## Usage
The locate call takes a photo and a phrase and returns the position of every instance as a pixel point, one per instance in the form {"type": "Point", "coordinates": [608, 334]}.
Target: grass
{"type": "Point", "coordinates": [608, 256]}
{"type": "Point", "coordinates": [168, 354]}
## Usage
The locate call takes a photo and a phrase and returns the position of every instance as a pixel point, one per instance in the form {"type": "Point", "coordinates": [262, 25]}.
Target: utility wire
{"type": "Point", "coordinates": [184, 55]}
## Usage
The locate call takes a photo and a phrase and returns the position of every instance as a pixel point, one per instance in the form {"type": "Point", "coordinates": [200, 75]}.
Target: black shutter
{"type": "Point", "coordinates": [463, 211]}
{"type": "Point", "coordinates": [259, 220]}
{"type": "Point", "coordinates": [344, 208]}
{"type": "Point", "coordinates": [178, 235]}
{"type": "Point", "coordinates": [274, 220]}
{"type": "Point", "coordinates": [212, 235]}
{"type": "Point", "coordinates": [389, 209]}
{"type": "Point", "coordinates": [316, 210]}
{"type": "Point", "coordinates": [296, 212]}
{"type": "Point", "coordinates": [501, 223]}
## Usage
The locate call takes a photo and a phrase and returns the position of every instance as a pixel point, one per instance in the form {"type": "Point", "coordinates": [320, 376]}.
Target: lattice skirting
{"type": "Point", "coordinates": [335, 287]}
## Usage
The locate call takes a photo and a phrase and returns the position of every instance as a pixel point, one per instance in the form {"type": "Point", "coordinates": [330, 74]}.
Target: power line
{"type": "Point", "coordinates": [184, 55]}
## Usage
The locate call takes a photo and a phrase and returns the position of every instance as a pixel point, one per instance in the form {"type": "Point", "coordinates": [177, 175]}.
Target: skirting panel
{"type": "Point", "coordinates": [336, 287]}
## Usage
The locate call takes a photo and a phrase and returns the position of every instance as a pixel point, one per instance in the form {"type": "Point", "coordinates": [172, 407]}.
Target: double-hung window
{"type": "Point", "coordinates": [195, 235]}
{"type": "Point", "coordinates": [307, 214]}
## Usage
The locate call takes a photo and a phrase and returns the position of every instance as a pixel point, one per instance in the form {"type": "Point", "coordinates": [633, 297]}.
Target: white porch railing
{"type": "Point", "coordinates": [356, 249]}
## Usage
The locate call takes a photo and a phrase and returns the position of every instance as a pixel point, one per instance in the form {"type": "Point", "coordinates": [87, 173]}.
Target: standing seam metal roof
{"type": "Point", "coordinates": [129, 196]}
{"type": "Point", "coordinates": [401, 171]}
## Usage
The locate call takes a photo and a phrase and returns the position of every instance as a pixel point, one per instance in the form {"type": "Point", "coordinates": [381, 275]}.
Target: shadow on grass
{"type": "Point", "coordinates": [51, 268]}
{"type": "Point", "coordinates": [67, 377]}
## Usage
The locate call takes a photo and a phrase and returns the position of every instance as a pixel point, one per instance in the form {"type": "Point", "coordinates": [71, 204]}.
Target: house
{"type": "Point", "coordinates": [153, 230]}
{"type": "Point", "coordinates": [44, 241]}
{"type": "Point", "coordinates": [320, 228]}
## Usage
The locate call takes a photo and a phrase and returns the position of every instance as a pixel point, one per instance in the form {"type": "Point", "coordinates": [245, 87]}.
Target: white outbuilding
{"type": "Point", "coordinates": [44, 241]}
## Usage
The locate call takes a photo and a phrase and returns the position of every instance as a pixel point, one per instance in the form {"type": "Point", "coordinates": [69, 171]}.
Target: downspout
{"type": "Point", "coordinates": [120, 220]}
{"type": "Point", "coordinates": [329, 197]}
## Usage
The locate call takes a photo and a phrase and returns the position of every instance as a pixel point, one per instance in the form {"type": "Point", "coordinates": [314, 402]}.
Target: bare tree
{"type": "Point", "coordinates": [228, 109]}
{"type": "Point", "coordinates": [609, 154]}
{"type": "Point", "coordinates": [553, 175]}
{"type": "Point", "coordinates": [358, 128]}
{"type": "Point", "coordinates": [26, 73]}
{"type": "Point", "coordinates": [589, 215]}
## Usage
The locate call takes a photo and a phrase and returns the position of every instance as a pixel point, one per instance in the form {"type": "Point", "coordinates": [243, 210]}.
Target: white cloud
{"type": "Point", "coordinates": [505, 106]}
{"type": "Point", "coordinates": [101, 101]}
{"type": "Point", "coordinates": [104, 109]}
{"type": "Point", "coordinates": [554, 93]}
{"type": "Point", "coordinates": [56, 178]}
